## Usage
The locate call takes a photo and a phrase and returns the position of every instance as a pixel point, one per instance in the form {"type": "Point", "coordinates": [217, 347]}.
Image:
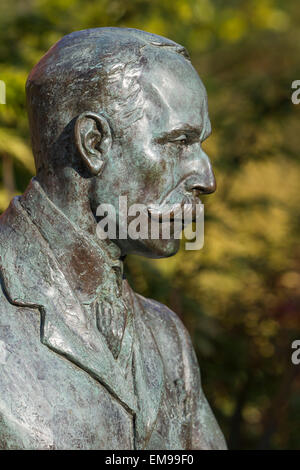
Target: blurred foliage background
{"type": "Point", "coordinates": [239, 296]}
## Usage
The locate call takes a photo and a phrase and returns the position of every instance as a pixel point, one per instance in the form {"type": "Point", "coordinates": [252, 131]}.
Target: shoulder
{"type": "Point", "coordinates": [171, 337]}
{"type": "Point", "coordinates": [163, 318]}
{"type": "Point", "coordinates": [15, 236]}
{"type": "Point", "coordinates": [181, 364]}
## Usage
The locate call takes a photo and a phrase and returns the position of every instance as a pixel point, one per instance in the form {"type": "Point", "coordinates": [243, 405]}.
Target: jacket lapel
{"type": "Point", "coordinates": [149, 377]}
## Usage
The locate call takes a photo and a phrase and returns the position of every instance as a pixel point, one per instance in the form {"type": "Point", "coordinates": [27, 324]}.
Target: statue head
{"type": "Point", "coordinates": [120, 112]}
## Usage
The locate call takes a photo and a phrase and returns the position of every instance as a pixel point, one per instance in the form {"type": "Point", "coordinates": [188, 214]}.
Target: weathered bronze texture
{"type": "Point", "coordinates": [85, 362]}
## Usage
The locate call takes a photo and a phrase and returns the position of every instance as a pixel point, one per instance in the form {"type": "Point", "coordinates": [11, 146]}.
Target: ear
{"type": "Point", "coordinates": [93, 140]}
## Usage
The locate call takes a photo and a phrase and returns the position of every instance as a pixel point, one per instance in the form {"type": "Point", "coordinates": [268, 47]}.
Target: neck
{"type": "Point", "coordinates": [69, 192]}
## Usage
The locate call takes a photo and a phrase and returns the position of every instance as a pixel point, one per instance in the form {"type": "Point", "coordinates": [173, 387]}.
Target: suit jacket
{"type": "Point", "coordinates": [60, 385]}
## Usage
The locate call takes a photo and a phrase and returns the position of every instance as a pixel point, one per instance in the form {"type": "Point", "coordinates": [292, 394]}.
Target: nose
{"type": "Point", "coordinates": [203, 179]}
{"type": "Point", "coordinates": [202, 188]}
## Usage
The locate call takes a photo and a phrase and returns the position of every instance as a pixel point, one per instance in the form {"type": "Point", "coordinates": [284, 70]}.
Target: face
{"type": "Point", "coordinates": [159, 161]}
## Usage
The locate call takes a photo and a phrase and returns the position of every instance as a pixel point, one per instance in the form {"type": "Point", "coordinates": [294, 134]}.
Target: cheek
{"type": "Point", "coordinates": [155, 177]}
{"type": "Point", "coordinates": [142, 170]}
{"type": "Point", "coordinates": [158, 161]}
{"type": "Point", "coordinates": [146, 167]}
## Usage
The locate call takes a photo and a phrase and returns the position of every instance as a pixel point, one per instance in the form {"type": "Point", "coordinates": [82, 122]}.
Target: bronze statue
{"type": "Point", "coordinates": [85, 362]}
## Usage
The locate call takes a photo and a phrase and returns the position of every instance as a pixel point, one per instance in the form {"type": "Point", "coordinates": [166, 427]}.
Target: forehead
{"type": "Point", "coordinates": [173, 93]}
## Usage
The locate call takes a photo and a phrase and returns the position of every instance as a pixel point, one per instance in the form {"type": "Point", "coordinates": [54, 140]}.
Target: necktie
{"type": "Point", "coordinates": [111, 316]}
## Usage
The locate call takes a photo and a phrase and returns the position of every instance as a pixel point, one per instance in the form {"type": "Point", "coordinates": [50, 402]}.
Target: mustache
{"type": "Point", "coordinates": [187, 205]}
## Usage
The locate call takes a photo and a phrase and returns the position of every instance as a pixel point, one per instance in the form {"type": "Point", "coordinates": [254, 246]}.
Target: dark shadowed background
{"type": "Point", "coordinates": [239, 296]}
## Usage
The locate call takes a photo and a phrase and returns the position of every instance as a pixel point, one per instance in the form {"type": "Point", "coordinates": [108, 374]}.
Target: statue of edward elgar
{"type": "Point", "coordinates": [85, 362]}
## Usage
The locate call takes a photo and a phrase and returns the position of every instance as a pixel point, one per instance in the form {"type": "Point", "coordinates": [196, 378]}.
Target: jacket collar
{"type": "Point", "coordinates": [87, 262]}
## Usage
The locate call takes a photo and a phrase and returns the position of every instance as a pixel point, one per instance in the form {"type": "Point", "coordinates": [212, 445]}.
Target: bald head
{"type": "Point", "coordinates": [95, 70]}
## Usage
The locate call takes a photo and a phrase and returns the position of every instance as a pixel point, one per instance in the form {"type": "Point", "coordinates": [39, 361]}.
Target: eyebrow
{"type": "Point", "coordinates": [187, 129]}
{"type": "Point", "coordinates": [177, 131]}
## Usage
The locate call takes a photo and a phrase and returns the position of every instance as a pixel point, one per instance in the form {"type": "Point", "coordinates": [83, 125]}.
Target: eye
{"type": "Point", "coordinates": [182, 139]}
